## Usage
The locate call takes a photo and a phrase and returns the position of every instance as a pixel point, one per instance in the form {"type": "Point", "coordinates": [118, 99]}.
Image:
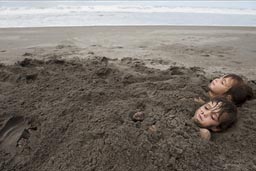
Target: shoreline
{"type": "Point", "coordinates": [175, 26]}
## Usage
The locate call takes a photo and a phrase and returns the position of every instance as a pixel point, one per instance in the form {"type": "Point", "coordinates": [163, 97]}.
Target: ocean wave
{"type": "Point", "coordinates": [62, 9]}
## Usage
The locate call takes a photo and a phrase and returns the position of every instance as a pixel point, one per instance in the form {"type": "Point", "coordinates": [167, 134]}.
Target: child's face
{"type": "Point", "coordinates": [221, 85]}
{"type": "Point", "coordinates": [208, 115]}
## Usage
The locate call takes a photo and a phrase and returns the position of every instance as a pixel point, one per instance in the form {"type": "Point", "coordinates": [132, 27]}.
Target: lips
{"type": "Point", "coordinates": [213, 82]}
{"type": "Point", "coordinates": [199, 117]}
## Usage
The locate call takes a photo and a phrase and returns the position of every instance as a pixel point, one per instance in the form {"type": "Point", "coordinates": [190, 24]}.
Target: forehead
{"type": "Point", "coordinates": [233, 77]}
{"type": "Point", "coordinates": [229, 77]}
{"type": "Point", "coordinates": [214, 106]}
{"type": "Point", "coordinates": [229, 80]}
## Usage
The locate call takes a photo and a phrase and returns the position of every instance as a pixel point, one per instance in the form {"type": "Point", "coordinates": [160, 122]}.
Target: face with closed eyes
{"type": "Point", "coordinates": [221, 85]}
{"type": "Point", "coordinates": [208, 115]}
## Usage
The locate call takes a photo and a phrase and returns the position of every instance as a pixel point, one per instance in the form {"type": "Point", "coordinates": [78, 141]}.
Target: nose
{"type": "Point", "coordinates": [217, 79]}
{"type": "Point", "coordinates": [205, 114]}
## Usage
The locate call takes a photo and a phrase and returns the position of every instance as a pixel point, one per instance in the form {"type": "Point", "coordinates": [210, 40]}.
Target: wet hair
{"type": "Point", "coordinates": [228, 113]}
{"type": "Point", "coordinates": [240, 91]}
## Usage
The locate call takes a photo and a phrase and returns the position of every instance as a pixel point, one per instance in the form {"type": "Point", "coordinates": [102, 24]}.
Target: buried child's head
{"type": "Point", "coordinates": [232, 87]}
{"type": "Point", "coordinates": [216, 115]}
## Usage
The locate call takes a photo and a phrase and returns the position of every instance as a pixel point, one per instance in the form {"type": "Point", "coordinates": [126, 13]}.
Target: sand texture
{"type": "Point", "coordinates": [66, 105]}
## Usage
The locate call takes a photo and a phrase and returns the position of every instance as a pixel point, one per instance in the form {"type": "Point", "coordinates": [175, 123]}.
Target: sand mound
{"type": "Point", "coordinates": [77, 116]}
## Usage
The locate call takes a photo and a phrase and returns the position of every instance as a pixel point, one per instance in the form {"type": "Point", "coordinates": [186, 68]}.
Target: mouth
{"type": "Point", "coordinates": [213, 82]}
{"type": "Point", "coordinates": [199, 117]}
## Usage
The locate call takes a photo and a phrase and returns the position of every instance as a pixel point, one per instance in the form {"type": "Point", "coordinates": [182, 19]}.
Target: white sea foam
{"type": "Point", "coordinates": [91, 13]}
{"type": "Point", "coordinates": [63, 9]}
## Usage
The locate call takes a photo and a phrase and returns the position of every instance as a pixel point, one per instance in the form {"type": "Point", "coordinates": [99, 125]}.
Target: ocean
{"type": "Point", "coordinates": [124, 13]}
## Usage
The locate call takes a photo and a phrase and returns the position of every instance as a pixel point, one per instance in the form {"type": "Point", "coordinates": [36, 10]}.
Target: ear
{"type": "Point", "coordinates": [229, 98]}
{"type": "Point", "coordinates": [215, 129]}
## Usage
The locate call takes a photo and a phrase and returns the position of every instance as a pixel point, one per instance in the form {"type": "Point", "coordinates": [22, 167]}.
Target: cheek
{"type": "Point", "coordinates": [213, 88]}
{"type": "Point", "coordinates": [212, 85]}
{"type": "Point", "coordinates": [197, 122]}
{"type": "Point", "coordinates": [222, 90]}
{"type": "Point", "coordinates": [196, 112]}
{"type": "Point", "coordinates": [218, 89]}
{"type": "Point", "coordinates": [206, 122]}
{"type": "Point", "coordinates": [194, 118]}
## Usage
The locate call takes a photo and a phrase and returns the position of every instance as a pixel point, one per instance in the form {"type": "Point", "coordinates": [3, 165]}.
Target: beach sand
{"type": "Point", "coordinates": [68, 96]}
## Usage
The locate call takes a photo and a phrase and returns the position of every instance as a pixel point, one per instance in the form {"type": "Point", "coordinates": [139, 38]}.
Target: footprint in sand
{"type": "Point", "coordinates": [12, 130]}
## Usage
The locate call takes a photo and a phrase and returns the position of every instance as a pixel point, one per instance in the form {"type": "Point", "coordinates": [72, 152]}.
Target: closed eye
{"type": "Point", "coordinates": [207, 107]}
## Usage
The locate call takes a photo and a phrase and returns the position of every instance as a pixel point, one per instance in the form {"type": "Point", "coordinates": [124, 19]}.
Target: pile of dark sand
{"type": "Point", "coordinates": [76, 115]}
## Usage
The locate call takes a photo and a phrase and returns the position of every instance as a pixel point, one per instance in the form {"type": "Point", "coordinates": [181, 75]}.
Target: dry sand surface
{"type": "Point", "coordinates": [67, 96]}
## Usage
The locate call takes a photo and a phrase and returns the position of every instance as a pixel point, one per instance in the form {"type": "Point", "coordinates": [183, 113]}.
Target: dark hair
{"type": "Point", "coordinates": [228, 113]}
{"type": "Point", "coordinates": [239, 92]}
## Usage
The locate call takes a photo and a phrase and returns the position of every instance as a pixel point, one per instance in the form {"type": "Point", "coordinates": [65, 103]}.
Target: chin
{"type": "Point", "coordinates": [196, 121]}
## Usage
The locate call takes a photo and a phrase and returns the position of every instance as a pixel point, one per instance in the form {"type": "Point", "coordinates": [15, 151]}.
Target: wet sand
{"type": "Point", "coordinates": [216, 49]}
{"type": "Point", "coordinates": [68, 96]}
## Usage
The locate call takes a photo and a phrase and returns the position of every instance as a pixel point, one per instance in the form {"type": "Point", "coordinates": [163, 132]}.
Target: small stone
{"type": "Point", "coordinates": [139, 116]}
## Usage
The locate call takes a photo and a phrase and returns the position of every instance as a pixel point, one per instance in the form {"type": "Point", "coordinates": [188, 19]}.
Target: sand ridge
{"type": "Point", "coordinates": [216, 49]}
